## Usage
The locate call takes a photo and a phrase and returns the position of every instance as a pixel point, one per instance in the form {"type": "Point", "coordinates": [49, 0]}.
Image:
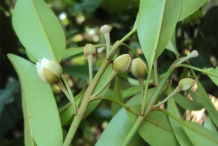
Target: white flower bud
{"type": "Point", "coordinates": [89, 49]}
{"type": "Point", "coordinates": [105, 29]}
{"type": "Point", "coordinates": [49, 71]}
{"type": "Point", "coordinates": [138, 68]}
{"type": "Point", "coordinates": [122, 63]}
{"type": "Point", "coordinates": [186, 84]}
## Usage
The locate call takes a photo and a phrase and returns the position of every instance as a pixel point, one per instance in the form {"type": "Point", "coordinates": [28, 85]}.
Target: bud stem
{"type": "Point", "coordinates": [177, 90]}
{"type": "Point", "coordinates": [89, 58]}
{"type": "Point", "coordinates": [193, 54]}
{"type": "Point", "coordinates": [70, 95]}
{"type": "Point", "coordinates": [112, 75]}
{"type": "Point", "coordinates": [107, 39]}
{"type": "Point", "coordinates": [142, 89]}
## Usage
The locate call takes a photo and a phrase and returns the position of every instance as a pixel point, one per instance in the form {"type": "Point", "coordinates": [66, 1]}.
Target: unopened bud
{"type": "Point", "coordinates": [122, 63]}
{"type": "Point", "coordinates": [194, 54]}
{"type": "Point", "coordinates": [186, 83]}
{"type": "Point", "coordinates": [105, 29]}
{"type": "Point", "coordinates": [89, 49]}
{"type": "Point", "coordinates": [49, 71]}
{"type": "Point", "coordinates": [138, 68]}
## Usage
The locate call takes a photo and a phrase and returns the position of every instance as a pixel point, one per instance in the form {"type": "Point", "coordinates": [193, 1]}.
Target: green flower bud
{"type": "Point", "coordinates": [186, 84]}
{"type": "Point", "coordinates": [105, 29]}
{"type": "Point", "coordinates": [89, 49]}
{"type": "Point", "coordinates": [49, 71]}
{"type": "Point", "coordinates": [138, 68]}
{"type": "Point", "coordinates": [122, 63]}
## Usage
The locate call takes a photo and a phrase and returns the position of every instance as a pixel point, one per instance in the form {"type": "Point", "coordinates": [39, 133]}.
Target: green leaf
{"type": "Point", "coordinates": [185, 103]}
{"type": "Point", "coordinates": [38, 29]}
{"type": "Point", "coordinates": [41, 118]}
{"type": "Point", "coordinates": [72, 51]}
{"type": "Point", "coordinates": [117, 130]}
{"type": "Point", "coordinates": [80, 71]}
{"type": "Point", "coordinates": [171, 46]}
{"type": "Point", "coordinates": [207, 103]}
{"type": "Point", "coordinates": [214, 79]}
{"type": "Point", "coordinates": [180, 134]}
{"type": "Point", "coordinates": [209, 125]}
{"type": "Point", "coordinates": [156, 22]}
{"type": "Point", "coordinates": [189, 6]}
{"type": "Point", "coordinates": [199, 135]}
{"type": "Point", "coordinates": [117, 95]}
{"type": "Point", "coordinates": [156, 128]}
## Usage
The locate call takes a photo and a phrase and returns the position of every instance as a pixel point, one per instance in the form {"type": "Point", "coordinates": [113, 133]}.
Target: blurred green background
{"type": "Point", "coordinates": [81, 20]}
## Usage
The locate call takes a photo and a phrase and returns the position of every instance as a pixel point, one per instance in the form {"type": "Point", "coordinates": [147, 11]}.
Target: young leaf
{"type": "Point", "coordinates": [156, 22]}
{"type": "Point", "coordinates": [181, 136]}
{"type": "Point", "coordinates": [185, 103]}
{"type": "Point", "coordinates": [117, 130]}
{"type": "Point", "coordinates": [117, 95]}
{"type": "Point", "coordinates": [38, 29]}
{"type": "Point", "coordinates": [209, 125]}
{"type": "Point", "coordinates": [41, 118]}
{"type": "Point", "coordinates": [207, 103]}
{"type": "Point", "coordinates": [188, 7]}
{"type": "Point", "coordinates": [199, 135]}
{"type": "Point", "coordinates": [214, 79]}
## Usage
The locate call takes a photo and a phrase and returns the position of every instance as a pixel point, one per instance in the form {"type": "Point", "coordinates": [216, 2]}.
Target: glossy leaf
{"type": "Point", "coordinates": [180, 134]}
{"type": "Point", "coordinates": [186, 103]}
{"type": "Point", "coordinates": [189, 6]}
{"type": "Point", "coordinates": [207, 103]}
{"type": "Point", "coordinates": [117, 130]}
{"type": "Point", "coordinates": [117, 95]}
{"type": "Point", "coordinates": [38, 29]}
{"type": "Point", "coordinates": [214, 79]}
{"type": "Point", "coordinates": [199, 135]}
{"type": "Point", "coordinates": [156, 128]}
{"type": "Point", "coordinates": [156, 22]}
{"type": "Point", "coordinates": [41, 118]}
{"type": "Point", "coordinates": [72, 51]}
{"type": "Point", "coordinates": [209, 125]}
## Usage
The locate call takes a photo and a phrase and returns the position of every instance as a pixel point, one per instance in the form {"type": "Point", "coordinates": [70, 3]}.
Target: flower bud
{"type": "Point", "coordinates": [138, 68]}
{"type": "Point", "coordinates": [105, 29]}
{"type": "Point", "coordinates": [49, 71]}
{"type": "Point", "coordinates": [122, 63]}
{"type": "Point", "coordinates": [186, 84]}
{"type": "Point", "coordinates": [89, 49]}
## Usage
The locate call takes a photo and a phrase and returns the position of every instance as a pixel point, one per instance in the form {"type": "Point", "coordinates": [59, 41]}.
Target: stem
{"type": "Point", "coordinates": [89, 58]}
{"type": "Point", "coordinates": [133, 130]}
{"type": "Point", "coordinates": [141, 84]}
{"type": "Point", "coordinates": [107, 39]}
{"type": "Point", "coordinates": [78, 118]}
{"type": "Point", "coordinates": [112, 75]}
{"type": "Point", "coordinates": [177, 90]}
{"type": "Point", "coordinates": [130, 49]}
{"type": "Point", "coordinates": [70, 94]}
{"type": "Point", "coordinates": [197, 69]}
{"type": "Point", "coordinates": [155, 73]}
{"type": "Point", "coordinates": [116, 101]}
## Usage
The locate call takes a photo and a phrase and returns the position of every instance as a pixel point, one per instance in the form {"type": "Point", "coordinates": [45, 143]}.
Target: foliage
{"type": "Point", "coordinates": [166, 30]}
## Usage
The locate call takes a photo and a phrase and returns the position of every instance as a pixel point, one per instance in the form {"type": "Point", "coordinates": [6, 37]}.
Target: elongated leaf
{"type": "Point", "coordinates": [209, 125]}
{"type": "Point", "coordinates": [189, 6]}
{"type": "Point", "coordinates": [186, 103]}
{"type": "Point", "coordinates": [72, 51]}
{"type": "Point", "coordinates": [38, 29]}
{"type": "Point", "coordinates": [180, 134]}
{"type": "Point", "coordinates": [207, 103]}
{"type": "Point", "coordinates": [117, 130]}
{"type": "Point", "coordinates": [41, 118]}
{"type": "Point", "coordinates": [155, 23]}
{"type": "Point", "coordinates": [156, 128]}
{"type": "Point", "coordinates": [214, 79]}
{"type": "Point", "coordinates": [199, 135]}
{"type": "Point", "coordinates": [117, 95]}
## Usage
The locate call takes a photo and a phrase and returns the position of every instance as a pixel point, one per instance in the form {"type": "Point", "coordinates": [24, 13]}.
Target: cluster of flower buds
{"type": "Point", "coordinates": [49, 71]}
